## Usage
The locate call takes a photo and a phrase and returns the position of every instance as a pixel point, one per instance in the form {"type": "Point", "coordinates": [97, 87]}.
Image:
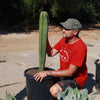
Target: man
{"type": "Point", "coordinates": [73, 52]}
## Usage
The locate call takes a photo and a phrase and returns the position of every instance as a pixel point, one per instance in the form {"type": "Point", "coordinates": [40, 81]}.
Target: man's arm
{"type": "Point", "coordinates": [64, 73]}
{"type": "Point", "coordinates": [49, 50]}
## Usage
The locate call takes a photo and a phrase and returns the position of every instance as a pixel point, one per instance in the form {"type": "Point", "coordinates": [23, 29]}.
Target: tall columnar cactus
{"type": "Point", "coordinates": [43, 31]}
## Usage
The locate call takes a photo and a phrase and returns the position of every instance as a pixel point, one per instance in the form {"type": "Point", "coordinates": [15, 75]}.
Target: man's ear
{"type": "Point", "coordinates": [75, 32]}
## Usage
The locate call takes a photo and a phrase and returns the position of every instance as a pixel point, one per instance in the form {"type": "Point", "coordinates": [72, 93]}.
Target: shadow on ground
{"type": "Point", "coordinates": [90, 83]}
{"type": "Point", "coordinates": [6, 29]}
{"type": "Point", "coordinates": [21, 95]}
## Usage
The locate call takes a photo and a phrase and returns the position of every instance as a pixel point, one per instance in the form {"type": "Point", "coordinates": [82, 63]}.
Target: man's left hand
{"type": "Point", "coordinates": [40, 75]}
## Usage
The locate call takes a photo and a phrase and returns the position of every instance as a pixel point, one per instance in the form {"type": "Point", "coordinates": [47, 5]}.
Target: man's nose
{"type": "Point", "coordinates": [64, 30]}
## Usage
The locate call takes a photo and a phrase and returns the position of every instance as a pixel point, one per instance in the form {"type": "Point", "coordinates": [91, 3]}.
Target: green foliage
{"type": "Point", "coordinates": [60, 10]}
{"type": "Point", "coordinates": [71, 6]}
{"type": "Point", "coordinates": [93, 95]}
{"type": "Point", "coordinates": [28, 11]}
{"type": "Point", "coordinates": [98, 92]}
{"type": "Point", "coordinates": [89, 13]}
{"type": "Point", "coordinates": [9, 97]}
{"type": "Point", "coordinates": [54, 8]}
{"type": "Point", "coordinates": [43, 30]}
{"type": "Point", "coordinates": [73, 94]}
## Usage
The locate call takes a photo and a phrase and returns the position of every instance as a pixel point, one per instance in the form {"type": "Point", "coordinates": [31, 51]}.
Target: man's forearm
{"type": "Point", "coordinates": [62, 73]}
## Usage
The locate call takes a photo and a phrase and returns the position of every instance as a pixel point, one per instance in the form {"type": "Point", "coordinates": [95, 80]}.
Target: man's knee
{"type": "Point", "coordinates": [54, 90]}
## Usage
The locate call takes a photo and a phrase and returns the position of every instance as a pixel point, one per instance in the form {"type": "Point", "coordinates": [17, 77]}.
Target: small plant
{"type": "Point", "coordinates": [75, 94]}
{"type": "Point", "coordinates": [93, 95]}
{"type": "Point", "coordinates": [43, 30]}
{"type": "Point", "coordinates": [9, 97]}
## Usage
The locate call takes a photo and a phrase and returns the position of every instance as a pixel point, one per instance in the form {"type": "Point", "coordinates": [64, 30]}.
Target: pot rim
{"type": "Point", "coordinates": [96, 62]}
{"type": "Point", "coordinates": [32, 77]}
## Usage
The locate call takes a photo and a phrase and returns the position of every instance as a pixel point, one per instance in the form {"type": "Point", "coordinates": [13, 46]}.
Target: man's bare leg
{"type": "Point", "coordinates": [54, 90]}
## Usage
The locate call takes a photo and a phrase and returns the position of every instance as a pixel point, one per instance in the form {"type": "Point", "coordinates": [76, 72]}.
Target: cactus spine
{"type": "Point", "coordinates": [43, 30]}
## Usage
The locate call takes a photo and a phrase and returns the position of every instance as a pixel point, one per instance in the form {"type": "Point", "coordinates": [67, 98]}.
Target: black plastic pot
{"type": "Point", "coordinates": [39, 90]}
{"type": "Point", "coordinates": [97, 79]}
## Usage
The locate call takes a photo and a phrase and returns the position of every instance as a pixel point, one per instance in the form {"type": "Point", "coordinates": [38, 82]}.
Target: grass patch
{"type": "Point", "coordinates": [1, 61]}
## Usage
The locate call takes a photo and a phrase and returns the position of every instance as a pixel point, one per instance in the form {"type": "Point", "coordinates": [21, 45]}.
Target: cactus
{"type": "Point", "coordinates": [43, 30]}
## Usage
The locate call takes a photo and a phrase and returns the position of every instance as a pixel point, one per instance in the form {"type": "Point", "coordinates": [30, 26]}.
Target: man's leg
{"type": "Point", "coordinates": [54, 90]}
{"type": "Point", "coordinates": [62, 85]}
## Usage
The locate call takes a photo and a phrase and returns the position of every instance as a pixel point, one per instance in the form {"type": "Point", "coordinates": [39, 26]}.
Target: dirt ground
{"type": "Point", "coordinates": [28, 41]}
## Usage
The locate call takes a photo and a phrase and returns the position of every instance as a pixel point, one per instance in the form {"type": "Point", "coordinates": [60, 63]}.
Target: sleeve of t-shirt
{"type": "Point", "coordinates": [79, 56]}
{"type": "Point", "coordinates": [58, 45]}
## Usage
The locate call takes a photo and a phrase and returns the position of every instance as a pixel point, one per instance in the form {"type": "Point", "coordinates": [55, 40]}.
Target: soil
{"type": "Point", "coordinates": [32, 72]}
{"type": "Point", "coordinates": [12, 43]}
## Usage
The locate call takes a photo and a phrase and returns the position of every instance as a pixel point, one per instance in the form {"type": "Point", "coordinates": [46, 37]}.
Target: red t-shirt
{"type": "Point", "coordinates": [73, 54]}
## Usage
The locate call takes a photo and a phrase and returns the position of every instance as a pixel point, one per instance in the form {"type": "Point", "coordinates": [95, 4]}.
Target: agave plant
{"type": "Point", "coordinates": [93, 95]}
{"type": "Point", "coordinates": [9, 97]}
{"type": "Point", "coordinates": [75, 94]}
{"type": "Point", "coordinates": [43, 31]}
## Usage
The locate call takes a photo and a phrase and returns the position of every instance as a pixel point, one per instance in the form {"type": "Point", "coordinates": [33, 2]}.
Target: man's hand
{"type": "Point", "coordinates": [40, 75]}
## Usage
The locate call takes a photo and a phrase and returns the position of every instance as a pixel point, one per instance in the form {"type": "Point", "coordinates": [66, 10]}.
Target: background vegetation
{"type": "Point", "coordinates": [26, 12]}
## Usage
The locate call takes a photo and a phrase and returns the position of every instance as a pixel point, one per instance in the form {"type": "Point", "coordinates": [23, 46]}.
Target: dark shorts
{"type": "Point", "coordinates": [68, 81]}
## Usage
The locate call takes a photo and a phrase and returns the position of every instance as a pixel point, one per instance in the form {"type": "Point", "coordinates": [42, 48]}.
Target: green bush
{"type": "Point", "coordinates": [30, 11]}
{"type": "Point", "coordinates": [26, 12]}
{"type": "Point", "coordinates": [89, 13]}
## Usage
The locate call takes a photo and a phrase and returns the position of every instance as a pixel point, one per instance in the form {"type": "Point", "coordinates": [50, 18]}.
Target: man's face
{"type": "Point", "coordinates": [68, 33]}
